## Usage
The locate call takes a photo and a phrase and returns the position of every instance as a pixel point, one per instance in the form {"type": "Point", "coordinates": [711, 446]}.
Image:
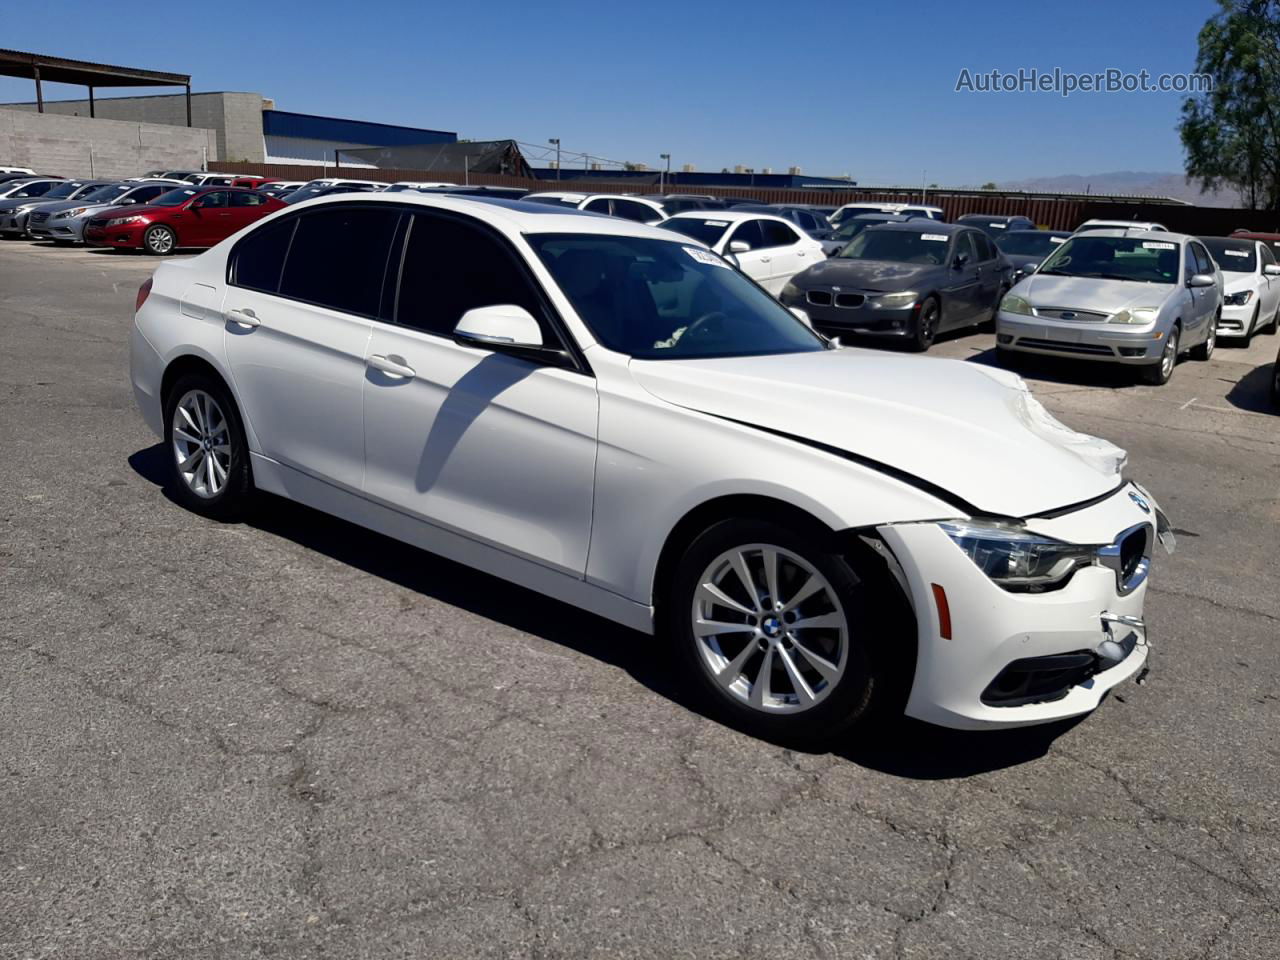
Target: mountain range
{"type": "Point", "coordinates": [1130, 183]}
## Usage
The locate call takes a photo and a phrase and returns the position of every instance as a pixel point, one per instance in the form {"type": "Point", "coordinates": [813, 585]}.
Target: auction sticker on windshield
{"type": "Point", "coordinates": [715, 223]}
{"type": "Point", "coordinates": [702, 256]}
{"type": "Point", "coordinates": [1236, 253]}
{"type": "Point", "coordinates": [1158, 245]}
{"type": "Point", "coordinates": [941, 237]}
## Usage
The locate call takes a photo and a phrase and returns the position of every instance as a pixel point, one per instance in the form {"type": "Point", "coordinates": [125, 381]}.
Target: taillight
{"type": "Point", "coordinates": [144, 291]}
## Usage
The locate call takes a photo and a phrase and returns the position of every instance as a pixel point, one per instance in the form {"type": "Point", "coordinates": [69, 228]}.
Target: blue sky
{"type": "Point", "coordinates": [846, 87]}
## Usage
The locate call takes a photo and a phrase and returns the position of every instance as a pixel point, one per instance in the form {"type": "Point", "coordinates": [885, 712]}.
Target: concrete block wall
{"type": "Point", "coordinates": [235, 118]}
{"type": "Point", "coordinates": [81, 147]}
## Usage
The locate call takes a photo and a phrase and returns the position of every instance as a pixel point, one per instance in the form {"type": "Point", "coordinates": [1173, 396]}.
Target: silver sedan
{"type": "Point", "coordinates": [1134, 297]}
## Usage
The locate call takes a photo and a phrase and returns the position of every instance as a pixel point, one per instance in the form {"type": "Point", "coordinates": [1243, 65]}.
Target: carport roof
{"type": "Point", "coordinates": [17, 63]}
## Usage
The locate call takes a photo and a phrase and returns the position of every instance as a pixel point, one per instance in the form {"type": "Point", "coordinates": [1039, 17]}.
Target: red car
{"type": "Point", "coordinates": [183, 217]}
{"type": "Point", "coordinates": [254, 182]}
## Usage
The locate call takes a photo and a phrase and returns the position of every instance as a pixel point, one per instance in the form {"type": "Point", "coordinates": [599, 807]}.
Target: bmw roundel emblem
{"type": "Point", "coordinates": [1140, 501]}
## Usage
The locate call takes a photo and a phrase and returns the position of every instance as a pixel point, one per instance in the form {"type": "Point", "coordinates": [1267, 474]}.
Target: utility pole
{"type": "Point", "coordinates": [662, 185]}
{"type": "Point", "coordinates": [555, 141]}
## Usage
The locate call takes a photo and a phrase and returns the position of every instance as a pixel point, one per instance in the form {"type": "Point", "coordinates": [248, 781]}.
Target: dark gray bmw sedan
{"type": "Point", "coordinates": [909, 280]}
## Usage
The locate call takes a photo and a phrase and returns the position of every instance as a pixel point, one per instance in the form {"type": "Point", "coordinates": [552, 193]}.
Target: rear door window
{"type": "Point", "coordinates": [339, 256]}
{"type": "Point", "coordinates": [778, 234]}
{"type": "Point", "coordinates": [749, 233]}
{"type": "Point", "coordinates": [258, 259]}
{"type": "Point", "coordinates": [631, 210]}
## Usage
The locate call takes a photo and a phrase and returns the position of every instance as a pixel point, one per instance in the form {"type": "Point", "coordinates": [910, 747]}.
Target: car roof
{"type": "Point", "coordinates": [729, 216]}
{"type": "Point", "coordinates": [1254, 235]}
{"type": "Point", "coordinates": [1140, 234]}
{"type": "Point", "coordinates": [991, 216]}
{"type": "Point", "coordinates": [518, 215]}
{"type": "Point", "coordinates": [1034, 233]}
{"type": "Point", "coordinates": [921, 225]}
{"type": "Point", "coordinates": [883, 217]}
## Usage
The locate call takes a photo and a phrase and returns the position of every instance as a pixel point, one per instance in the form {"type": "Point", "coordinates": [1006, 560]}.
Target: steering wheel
{"type": "Point", "coordinates": [705, 318]}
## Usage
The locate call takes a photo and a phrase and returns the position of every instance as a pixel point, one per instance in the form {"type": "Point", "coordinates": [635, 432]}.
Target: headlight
{"type": "Point", "coordinates": [1238, 299]}
{"type": "Point", "coordinates": [897, 299]}
{"type": "Point", "coordinates": [119, 221]}
{"type": "Point", "coordinates": [1012, 303]}
{"type": "Point", "coordinates": [1135, 315]}
{"type": "Point", "coordinates": [70, 213]}
{"type": "Point", "coordinates": [792, 291]}
{"type": "Point", "coordinates": [1015, 559]}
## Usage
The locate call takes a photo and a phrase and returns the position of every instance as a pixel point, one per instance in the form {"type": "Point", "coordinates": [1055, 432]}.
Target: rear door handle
{"type": "Point", "coordinates": [244, 317]}
{"type": "Point", "coordinates": [392, 366]}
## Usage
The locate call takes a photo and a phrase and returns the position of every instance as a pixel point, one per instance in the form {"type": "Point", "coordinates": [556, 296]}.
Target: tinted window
{"type": "Point", "coordinates": [39, 190]}
{"type": "Point", "coordinates": [967, 243]}
{"type": "Point", "coordinates": [661, 299]}
{"type": "Point", "coordinates": [630, 210]}
{"type": "Point", "coordinates": [1233, 256]}
{"type": "Point", "coordinates": [1266, 254]}
{"type": "Point", "coordinates": [338, 257]}
{"type": "Point", "coordinates": [247, 199]}
{"type": "Point", "coordinates": [750, 234]}
{"type": "Point", "coordinates": [807, 220]}
{"type": "Point", "coordinates": [450, 267]}
{"type": "Point", "coordinates": [777, 234]}
{"type": "Point", "coordinates": [259, 257]}
{"type": "Point", "coordinates": [218, 198]}
{"type": "Point", "coordinates": [986, 249]}
{"type": "Point", "coordinates": [898, 246]}
{"type": "Point", "coordinates": [175, 198]}
{"type": "Point", "coordinates": [709, 231]}
{"type": "Point", "coordinates": [1204, 263]}
{"type": "Point", "coordinates": [598, 205]}
{"type": "Point", "coordinates": [1029, 243]}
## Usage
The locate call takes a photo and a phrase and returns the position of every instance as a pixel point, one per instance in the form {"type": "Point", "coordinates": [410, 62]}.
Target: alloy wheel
{"type": "Point", "coordinates": [770, 629]}
{"type": "Point", "coordinates": [929, 315]}
{"type": "Point", "coordinates": [1170, 356]}
{"type": "Point", "coordinates": [201, 444]}
{"type": "Point", "coordinates": [160, 241]}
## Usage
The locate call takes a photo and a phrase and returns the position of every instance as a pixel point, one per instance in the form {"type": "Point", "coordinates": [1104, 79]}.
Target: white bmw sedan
{"type": "Point", "coordinates": [767, 248]}
{"type": "Point", "coordinates": [609, 414]}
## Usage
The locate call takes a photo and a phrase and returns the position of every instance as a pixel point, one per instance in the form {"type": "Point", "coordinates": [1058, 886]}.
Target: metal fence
{"type": "Point", "coordinates": [1050, 212]}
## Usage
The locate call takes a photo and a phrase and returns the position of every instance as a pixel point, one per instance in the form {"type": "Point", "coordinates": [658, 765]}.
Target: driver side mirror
{"type": "Point", "coordinates": [739, 246]}
{"type": "Point", "coordinates": [960, 260]}
{"type": "Point", "coordinates": [125, 201]}
{"type": "Point", "coordinates": [1201, 280]}
{"type": "Point", "coordinates": [1272, 270]}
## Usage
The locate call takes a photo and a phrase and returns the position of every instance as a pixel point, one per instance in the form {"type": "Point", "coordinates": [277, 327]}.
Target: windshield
{"type": "Point", "coordinates": [851, 228]}
{"type": "Point", "coordinates": [1115, 258]}
{"type": "Point", "coordinates": [98, 194]}
{"type": "Point", "coordinates": [306, 193]}
{"type": "Point", "coordinates": [709, 231]}
{"type": "Point", "coordinates": [898, 246]}
{"type": "Point", "coordinates": [660, 299]}
{"type": "Point", "coordinates": [64, 191]}
{"type": "Point", "coordinates": [1029, 243]}
{"type": "Point", "coordinates": [174, 198]}
{"type": "Point", "coordinates": [844, 213]}
{"type": "Point", "coordinates": [1233, 256]}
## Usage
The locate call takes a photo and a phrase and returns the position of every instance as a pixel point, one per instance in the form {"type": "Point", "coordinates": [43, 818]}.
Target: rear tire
{"type": "Point", "coordinates": [159, 240]}
{"type": "Point", "coordinates": [1204, 349]}
{"type": "Point", "coordinates": [207, 453]}
{"type": "Point", "coordinates": [1275, 383]}
{"type": "Point", "coordinates": [768, 673]}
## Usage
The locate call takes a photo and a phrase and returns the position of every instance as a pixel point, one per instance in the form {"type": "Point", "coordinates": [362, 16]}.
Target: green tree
{"type": "Point", "coordinates": [987, 186]}
{"type": "Point", "coordinates": [1231, 133]}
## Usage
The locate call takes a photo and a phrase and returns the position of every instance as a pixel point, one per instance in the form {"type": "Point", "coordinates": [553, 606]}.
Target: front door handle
{"type": "Point", "coordinates": [393, 366]}
{"type": "Point", "coordinates": [244, 317]}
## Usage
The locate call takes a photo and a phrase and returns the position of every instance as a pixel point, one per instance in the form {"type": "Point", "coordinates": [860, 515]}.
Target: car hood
{"type": "Point", "coordinates": [863, 274]}
{"type": "Point", "coordinates": [141, 209]}
{"type": "Point", "coordinates": [1090, 293]}
{"type": "Point", "coordinates": [973, 431]}
{"type": "Point", "coordinates": [1238, 282]}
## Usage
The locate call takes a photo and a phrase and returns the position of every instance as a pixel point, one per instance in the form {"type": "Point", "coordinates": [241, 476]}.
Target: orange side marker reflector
{"type": "Point", "coordinates": [944, 611]}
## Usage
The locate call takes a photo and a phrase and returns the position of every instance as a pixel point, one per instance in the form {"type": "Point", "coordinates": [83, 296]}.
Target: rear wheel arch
{"type": "Point", "coordinates": [188, 364]}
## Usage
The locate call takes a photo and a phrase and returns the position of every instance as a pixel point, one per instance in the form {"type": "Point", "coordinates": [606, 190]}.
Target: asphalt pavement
{"type": "Point", "coordinates": [292, 738]}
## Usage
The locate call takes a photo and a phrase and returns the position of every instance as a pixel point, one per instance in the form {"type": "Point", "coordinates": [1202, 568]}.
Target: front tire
{"type": "Point", "coordinates": [782, 634]}
{"type": "Point", "coordinates": [159, 240]}
{"type": "Point", "coordinates": [927, 323]}
{"type": "Point", "coordinates": [207, 452]}
{"type": "Point", "coordinates": [1157, 374]}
